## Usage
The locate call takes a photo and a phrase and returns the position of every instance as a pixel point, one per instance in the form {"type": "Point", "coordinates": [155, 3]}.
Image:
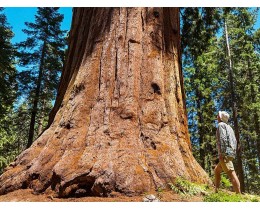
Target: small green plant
{"type": "Point", "coordinates": [225, 182]}
{"type": "Point", "coordinates": [145, 193]}
{"type": "Point", "coordinates": [159, 192]}
{"type": "Point", "coordinates": [185, 188]}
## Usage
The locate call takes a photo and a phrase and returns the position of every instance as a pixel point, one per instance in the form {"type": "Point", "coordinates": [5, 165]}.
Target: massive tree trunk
{"type": "Point", "coordinates": [120, 123]}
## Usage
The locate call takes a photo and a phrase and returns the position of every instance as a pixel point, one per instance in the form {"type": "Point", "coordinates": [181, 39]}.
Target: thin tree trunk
{"type": "Point", "coordinates": [40, 128]}
{"type": "Point", "coordinates": [121, 123]}
{"type": "Point", "coordinates": [41, 119]}
{"type": "Point", "coordinates": [234, 110]}
{"type": "Point", "coordinates": [200, 131]}
{"type": "Point", "coordinates": [251, 163]}
{"type": "Point", "coordinates": [41, 115]}
{"type": "Point", "coordinates": [36, 99]}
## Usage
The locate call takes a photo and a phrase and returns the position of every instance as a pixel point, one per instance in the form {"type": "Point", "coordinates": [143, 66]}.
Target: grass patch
{"type": "Point", "coordinates": [186, 189]}
{"type": "Point", "coordinates": [230, 197]}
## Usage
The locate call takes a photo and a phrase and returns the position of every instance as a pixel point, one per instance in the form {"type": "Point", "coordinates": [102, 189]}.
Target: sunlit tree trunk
{"type": "Point", "coordinates": [35, 107]}
{"type": "Point", "coordinates": [240, 170]}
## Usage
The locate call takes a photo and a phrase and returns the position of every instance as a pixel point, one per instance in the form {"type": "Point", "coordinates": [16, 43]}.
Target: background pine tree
{"type": "Point", "coordinates": [8, 89]}
{"type": "Point", "coordinates": [207, 84]}
{"type": "Point", "coordinates": [245, 59]}
{"type": "Point", "coordinates": [199, 27]}
{"type": "Point", "coordinates": [27, 96]}
{"type": "Point", "coordinates": [42, 56]}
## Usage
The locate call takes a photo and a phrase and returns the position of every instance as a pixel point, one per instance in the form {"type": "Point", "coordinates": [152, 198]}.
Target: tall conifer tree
{"type": "Point", "coordinates": [245, 69]}
{"type": "Point", "coordinates": [8, 87]}
{"type": "Point", "coordinates": [202, 23]}
{"type": "Point", "coordinates": [42, 55]}
{"type": "Point", "coordinates": [7, 68]}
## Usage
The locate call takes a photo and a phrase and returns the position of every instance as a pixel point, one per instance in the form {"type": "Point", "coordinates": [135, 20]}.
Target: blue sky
{"type": "Point", "coordinates": [16, 16]}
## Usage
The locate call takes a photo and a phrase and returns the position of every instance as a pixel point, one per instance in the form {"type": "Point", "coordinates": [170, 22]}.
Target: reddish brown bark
{"type": "Point", "coordinates": [120, 123]}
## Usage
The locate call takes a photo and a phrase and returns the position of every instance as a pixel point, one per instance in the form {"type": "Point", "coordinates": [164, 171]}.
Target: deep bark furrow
{"type": "Point", "coordinates": [100, 71]}
{"type": "Point", "coordinates": [142, 21]}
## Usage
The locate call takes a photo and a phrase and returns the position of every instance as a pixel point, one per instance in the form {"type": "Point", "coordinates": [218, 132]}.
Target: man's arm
{"type": "Point", "coordinates": [218, 144]}
{"type": "Point", "coordinates": [222, 134]}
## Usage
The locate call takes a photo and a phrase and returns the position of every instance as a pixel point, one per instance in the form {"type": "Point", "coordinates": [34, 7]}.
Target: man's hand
{"type": "Point", "coordinates": [220, 157]}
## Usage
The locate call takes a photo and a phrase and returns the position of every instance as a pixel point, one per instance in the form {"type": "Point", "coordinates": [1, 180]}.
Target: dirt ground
{"type": "Point", "coordinates": [27, 195]}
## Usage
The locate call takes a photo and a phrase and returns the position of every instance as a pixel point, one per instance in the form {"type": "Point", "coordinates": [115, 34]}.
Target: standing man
{"type": "Point", "coordinates": [226, 144]}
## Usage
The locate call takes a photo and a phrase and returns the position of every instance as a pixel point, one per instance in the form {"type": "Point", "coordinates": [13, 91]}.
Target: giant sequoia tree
{"type": "Point", "coordinates": [119, 121]}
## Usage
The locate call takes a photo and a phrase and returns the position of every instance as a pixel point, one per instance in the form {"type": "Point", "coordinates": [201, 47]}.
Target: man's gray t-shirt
{"type": "Point", "coordinates": [226, 140]}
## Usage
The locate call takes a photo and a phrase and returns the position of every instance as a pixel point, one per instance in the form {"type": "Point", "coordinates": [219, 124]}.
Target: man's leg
{"type": "Point", "coordinates": [235, 181]}
{"type": "Point", "coordinates": [217, 171]}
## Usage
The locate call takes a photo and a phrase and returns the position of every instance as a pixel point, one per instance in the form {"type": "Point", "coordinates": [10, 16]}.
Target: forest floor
{"type": "Point", "coordinates": [27, 195]}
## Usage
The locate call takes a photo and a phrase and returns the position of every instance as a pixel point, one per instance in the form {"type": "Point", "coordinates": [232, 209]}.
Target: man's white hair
{"type": "Point", "coordinates": [224, 116]}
